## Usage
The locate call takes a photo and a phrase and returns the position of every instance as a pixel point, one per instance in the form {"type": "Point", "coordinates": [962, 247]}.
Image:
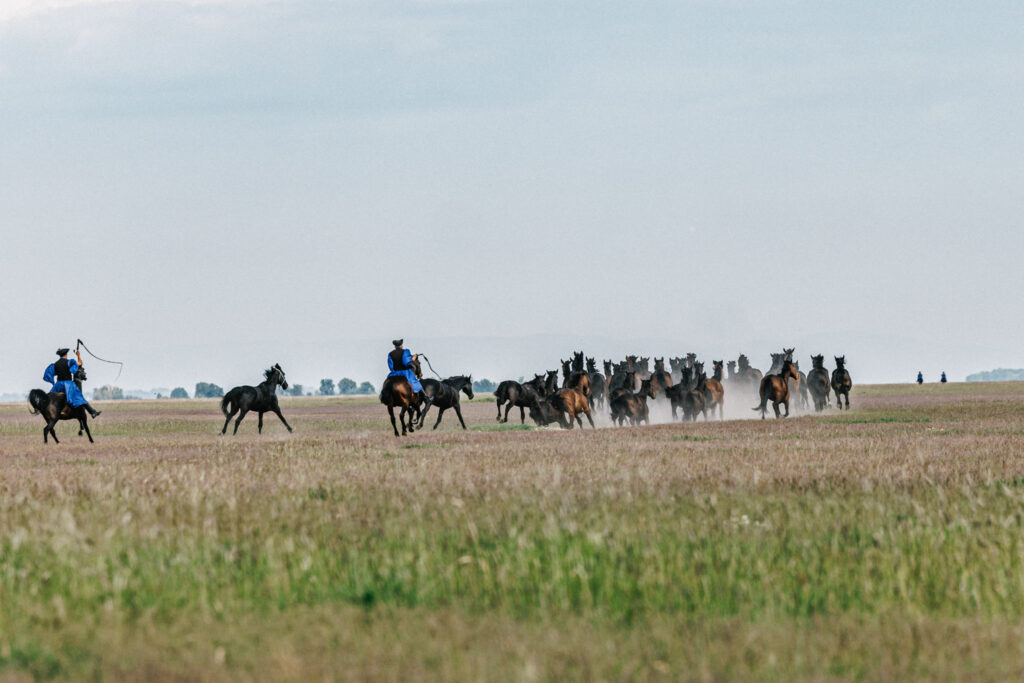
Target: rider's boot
{"type": "Point", "coordinates": [425, 399]}
{"type": "Point", "coordinates": [92, 411]}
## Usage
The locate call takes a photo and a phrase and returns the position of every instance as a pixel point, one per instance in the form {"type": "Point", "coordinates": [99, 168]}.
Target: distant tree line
{"type": "Point", "coordinates": [107, 393]}
{"type": "Point", "coordinates": [998, 375]}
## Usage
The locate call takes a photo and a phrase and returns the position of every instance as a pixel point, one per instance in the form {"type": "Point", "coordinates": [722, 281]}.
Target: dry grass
{"type": "Point", "coordinates": [878, 543]}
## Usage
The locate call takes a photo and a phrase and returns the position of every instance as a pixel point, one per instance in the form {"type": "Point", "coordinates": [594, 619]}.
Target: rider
{"type": "Point", "coordinates": [400, 363]}
{"type": "Point", "coordinates": [62, 375]}
{"type": "Point", "coordinates": [920, 377]}
{"type": "Point", "coordinates": [943, 378]}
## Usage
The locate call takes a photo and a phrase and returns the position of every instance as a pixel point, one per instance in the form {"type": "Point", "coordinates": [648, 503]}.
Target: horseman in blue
{"type": "Point", "coordinates": [61, 374]}
{"type": "Point", "coordinates": [400, 365]}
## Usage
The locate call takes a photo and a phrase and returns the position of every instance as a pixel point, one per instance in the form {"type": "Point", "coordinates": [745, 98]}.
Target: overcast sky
{"type": "Point", "coordinates": [250, 177]}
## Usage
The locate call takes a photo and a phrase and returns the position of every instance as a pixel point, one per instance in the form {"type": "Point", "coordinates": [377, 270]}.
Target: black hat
{"type": "Point", "coordinates": [62, 352]}
{"type": "Point", "coordinates": [397, 342]}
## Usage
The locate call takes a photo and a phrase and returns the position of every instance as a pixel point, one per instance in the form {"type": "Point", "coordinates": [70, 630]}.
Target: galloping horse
{"type": "Point", "coordinates": [662, 378]}
{"type": "Point", "coordinates": [632, 406]}
{"type": "Point", "coordinates": [518, 395]}
{"type": "Point", "coordinates": [841, 383]}
{"type": "Point", "coordinates": [715, 392]}
{"type": "Point", "coordinates": [397, 392]}
{"type": "Point", "coordinates": [817, 383]}
{"type": "Point", "coordinates": [445, 395]}
{"type": "Point", "coordinates": [54, 408]}
{"type": "Point", "coordinates": [262, 398]}
{"type": "Point", "coordinates": [563, 402]}
{"type": "Point", "coordinates": [598, 384]}
{"type": "Point", "coordinates": [775, 388]}
{"type": "Point", "coordinates": [576, 379]}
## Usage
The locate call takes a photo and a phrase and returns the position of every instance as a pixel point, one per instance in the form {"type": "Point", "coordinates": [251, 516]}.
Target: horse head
{"type": "Point", "coordinates": [566, 369]}
{"type": "Point", "coordinates": [788, 352]}
{"type": "Point", "coordinates": [591, 365]}
{"type": "Point", "coordinates": [537, 384]}
{"type": "Point", "coordinates": [577, 361]}
{"type": "Point", "coordinates": [790, 370]}
{"type": "Point", "coordinates": [731, 365]}
{"type": "Point", "coordinates": [647, 388]}
{"type": "Point", "coordinates": [659, 364]}
{"type": "Point", "coordinates": [744, 362]}
{"type": "Point", "coordinates": [467, 386]}
{"type": "Point", "coordinates": [818, 362]}
{"type": "Point", "coordinates": [717, 365]}
{"type": "Point", "coordinates": [840, 362]}
{"type": "Point", "coordinates": [276, 375]}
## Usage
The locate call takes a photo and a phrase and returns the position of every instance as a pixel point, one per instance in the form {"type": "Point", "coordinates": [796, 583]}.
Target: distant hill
{"type": "Point", "coordinates": [997, 375]}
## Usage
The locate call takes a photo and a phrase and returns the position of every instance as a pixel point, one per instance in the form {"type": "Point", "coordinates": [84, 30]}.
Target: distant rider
{"type": "Point", "coordinates": [61, 374]}
{"type": "Point", "coordinates": [943, 378]}
{"type": "Point", "coordinates": [920, 377]}
{"type": "Point", "coordinates": [400, 364]}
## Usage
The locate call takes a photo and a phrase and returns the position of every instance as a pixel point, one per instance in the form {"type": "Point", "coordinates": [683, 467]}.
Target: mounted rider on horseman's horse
{"type": "Point", "coordinates": [400, 364]}
{"type": "Point", "coordinates": [61, 374]}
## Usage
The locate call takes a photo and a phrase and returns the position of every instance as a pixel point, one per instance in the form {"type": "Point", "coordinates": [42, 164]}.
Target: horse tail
{"type": "Point", "coordinates": [37, 400]}
{"type": "Point", "coordinates": [228, 400]}
{"type": "Point", "coordinates": [764, 401]}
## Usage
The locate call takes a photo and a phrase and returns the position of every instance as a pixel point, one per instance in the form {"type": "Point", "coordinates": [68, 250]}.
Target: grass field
{"type": "Point", "coordinates": [881, 543]}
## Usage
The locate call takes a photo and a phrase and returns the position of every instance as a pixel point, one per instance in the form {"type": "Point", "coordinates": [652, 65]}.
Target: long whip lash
{"type": "Point", "coordinates": [119, 364]}
{"type": "Point", "coordinates": [424, 357]}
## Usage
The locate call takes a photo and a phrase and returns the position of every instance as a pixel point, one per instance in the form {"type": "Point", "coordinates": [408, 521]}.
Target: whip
{"type": "Point", "coordinates": [119, 364]}
{"type": "Point", "coordinates": [424, 357]}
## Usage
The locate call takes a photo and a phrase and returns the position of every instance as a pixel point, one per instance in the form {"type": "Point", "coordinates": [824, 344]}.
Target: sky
{"type": "Point", "coordinates": [202, 188]}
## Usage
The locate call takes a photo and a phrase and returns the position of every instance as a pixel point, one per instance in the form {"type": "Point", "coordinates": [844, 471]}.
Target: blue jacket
{"type": "Point", "coordinates": [69, 389]}
{"type": "Point", "coordinates": [407, 372]}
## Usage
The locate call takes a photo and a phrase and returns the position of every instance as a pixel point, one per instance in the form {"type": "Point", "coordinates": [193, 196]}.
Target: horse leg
{"type": "Point", "coordinates": [589, 419]}
{"type": "Point", "coordinates": [498, 401]}
{"type": "Point", "coordinates": [84, 424]}
{"type": "Point", "coordinates": [522, 415]}
{"type": "Point", "coordinates": [277, 411]}
{"type": "Point", "coordinates": [53, 433]}
{"type": "Point", "coordinates": [458, 412]}
{"type": "Point", "coordinates": [239, 420]}
{"type": "Point", "coordinates": [227, 421]}
{"type": "Point", "coordinates": [423, 416]}
{"type": "Point", "coordinates": [440, 412]}
{"type": "Point", "coordinates": [391, 412]}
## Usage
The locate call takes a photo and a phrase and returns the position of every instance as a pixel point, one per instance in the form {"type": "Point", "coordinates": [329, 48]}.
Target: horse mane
{"type": "Point", "coordinates": [459, 379]}
{"type": "Point", "coordinates": [268, 372]}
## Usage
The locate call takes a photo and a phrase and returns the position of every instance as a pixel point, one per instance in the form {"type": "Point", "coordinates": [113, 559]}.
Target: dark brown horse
{"type": "Point", "coordinates": [631, 406]}
{"type": "Point", "coordinates": [517, 395]}
{"type": "Point", "coordinates": [841, 383]}
{"type": "Point", "coordinates": [396, 393]}
{"type": "Point", "coordinates": [818, 383]}
{"type": "Point", "coordinates": [261, 398]}
{"type": "Point", "coordinates": [54, 407]}
{"type": "Point", "coordinates": [775, 388]}
{"type": "Point", "coordinates": [662, 379]}
{"type": "Point", "coordinates": [715, 392]}
{"type": "Point", "coordinates": [445, 395]}
{"type": "Point", "coordinates": [598, 384]}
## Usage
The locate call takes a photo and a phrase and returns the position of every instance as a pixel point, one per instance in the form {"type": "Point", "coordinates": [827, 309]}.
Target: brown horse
{"type": "Point", "coordinates": [775, 388]}
{"type": "Point", "coordinates": [574, 379]}
{"type": "Point", "coordinates": [715, 392]}
{"type": "Point", "coordinates": [818, 383]}
{"type": "Point", "coordinates": [662, 379]}
{"type": "Point", "coordinates": [841, 382]}
{"type": "Point", "coordinates": [397, 392]}
{"type": "Point", "coordinates": [555, 407]}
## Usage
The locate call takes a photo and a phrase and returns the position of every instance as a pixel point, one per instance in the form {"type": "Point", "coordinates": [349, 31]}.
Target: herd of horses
{"type": "Point", "coordinates": [627, 386]}
{"type": "Point", "coordinates": [623, 388]}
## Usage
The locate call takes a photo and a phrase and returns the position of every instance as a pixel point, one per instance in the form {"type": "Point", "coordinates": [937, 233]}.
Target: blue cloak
{"type": "Point", "coordinates": [69, 389]}
{"type": "Point", "coordinates": [407, 374]}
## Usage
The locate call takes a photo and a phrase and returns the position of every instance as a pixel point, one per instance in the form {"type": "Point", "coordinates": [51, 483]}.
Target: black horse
{"type": "Point", "coordinates": [262, 398]}
{"type": "Point", "coordinates": [445, 395]}
{"type": "Point", "coordinates": [54, 408]}
{"type": "Point", "coordinates": [517, 395]}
